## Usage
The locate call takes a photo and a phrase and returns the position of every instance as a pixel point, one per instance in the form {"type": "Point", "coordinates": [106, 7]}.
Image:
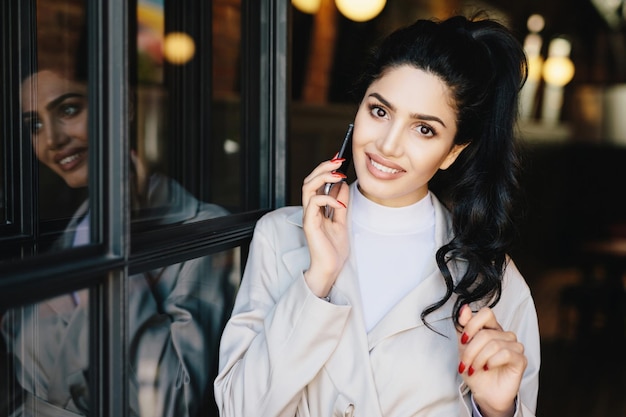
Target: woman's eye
{"type": "Point", "coordinates": [33, 125]}
{"type": "Point", "coordinates": [425, 130]}
{"type": "Point", "coordinates": [378, 111]}
{"type": "Point", "coordinates": [69, 110]}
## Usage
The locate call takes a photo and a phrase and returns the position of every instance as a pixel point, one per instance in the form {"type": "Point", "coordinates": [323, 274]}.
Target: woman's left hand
{"type": "Point", "coordinates": [492, 362]}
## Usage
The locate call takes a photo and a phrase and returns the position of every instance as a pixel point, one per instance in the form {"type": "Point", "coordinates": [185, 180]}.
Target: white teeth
{"type": "Point", "coordinates": [69, 159]}
{"type": "Point", "coordinates": [384, 168]}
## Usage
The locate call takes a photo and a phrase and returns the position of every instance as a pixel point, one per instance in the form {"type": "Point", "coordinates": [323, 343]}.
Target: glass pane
{"type": "Point", "coordinates": [54, 112]}
{"type": "Point", "coordinates": [8, 113]}
{"type": "Point", "coordinates": [44, 357]}
{"type": "Point", "coordinates": [226, 115]}
{"type": "Point", "coordinates": [185, 146]}
{"type": "Point", "coordinates": [176, 317]}
{"type": "Point", "coordinates": [3, 210]}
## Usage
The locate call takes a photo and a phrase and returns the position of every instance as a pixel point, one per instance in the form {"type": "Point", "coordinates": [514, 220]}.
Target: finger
{"type": "Point", "coordinates": [341, 213]}
{"type": "Point", "coordinates": [471, 348]}
{"type": "Point", "coordinates": [473, 324]}
{"type": "Point", "coordinates": [344, 193]}
{"type": "Point", "coordinates": [465, 314]}
{"type": "Point", "coordinates": [316, 204]}
{"type": "Point", "coordinates": [483, 319]}
{"type": "Point", "coordinates": [324, 167]}
{"type": "Point", "coordinates": [315, 182]}
{"type": "Point", "coordinates": [486, 345]}
{"type": "Point", "coordinates": [510, 355]}
{"type": "Point", "coordinates": [327, 238]}
{"type": "Point", "coordinates": [335, 178]}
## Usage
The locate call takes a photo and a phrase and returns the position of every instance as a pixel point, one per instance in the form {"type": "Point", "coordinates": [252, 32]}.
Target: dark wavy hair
{"type": "Point", "coordinates": [484, 66]}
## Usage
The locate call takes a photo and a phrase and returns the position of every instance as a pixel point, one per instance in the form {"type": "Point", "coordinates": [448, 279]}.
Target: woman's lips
{"type": "Point", "coordinates": [69, 160]}
{"type": "Point", "coordinates": [383, 169]}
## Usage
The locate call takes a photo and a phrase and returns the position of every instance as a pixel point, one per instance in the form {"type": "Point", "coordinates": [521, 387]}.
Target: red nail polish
{"type": "Point", "coordinates": [470, 371]}
{"type": "Point", "coordinates": [464, 338]}
{"type": "Point", "coordinates": [461, 367]}
{"type": "Point", "coordinates": [339, 174]}
{"type": "Point", "coordinates": [485, 368]}
{"type": "Point", "coordinates": [337, 160]}
{"type": "Point", "coordinates": [343, 205]}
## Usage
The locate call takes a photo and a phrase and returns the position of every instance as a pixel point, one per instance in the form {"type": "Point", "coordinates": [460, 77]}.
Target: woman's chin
{"type": "Point", "coordinates": [76, 181]}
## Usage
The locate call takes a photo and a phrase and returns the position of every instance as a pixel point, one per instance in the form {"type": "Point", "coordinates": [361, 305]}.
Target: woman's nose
{"type": "Point", "coordinates": [390, 142]}
{"type": "Point", "coordinates": [57, 136]}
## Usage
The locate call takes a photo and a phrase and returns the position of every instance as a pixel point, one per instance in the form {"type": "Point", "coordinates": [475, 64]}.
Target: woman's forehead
{"type": "Point", "coordinates": [414, 90]}
{"type": "Point", "coordinates": [46, 85]}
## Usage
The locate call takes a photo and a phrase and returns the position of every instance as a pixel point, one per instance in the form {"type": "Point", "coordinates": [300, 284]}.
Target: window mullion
{"type": "Point", "coordinates": [107, 23]}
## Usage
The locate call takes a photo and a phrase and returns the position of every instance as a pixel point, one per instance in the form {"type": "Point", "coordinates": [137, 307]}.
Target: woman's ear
{"type": "Point", "coordinates": [452, 155]}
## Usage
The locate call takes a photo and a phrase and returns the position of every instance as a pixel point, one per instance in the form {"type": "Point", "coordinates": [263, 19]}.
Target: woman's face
{"type": "Point", "coordinates": [55, 112]}
{"type": "Point", "coordinates": [403, 133]}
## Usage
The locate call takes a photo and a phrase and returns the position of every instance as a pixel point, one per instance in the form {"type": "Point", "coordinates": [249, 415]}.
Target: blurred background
{"type": "Point", "coordinates": [572, 129]}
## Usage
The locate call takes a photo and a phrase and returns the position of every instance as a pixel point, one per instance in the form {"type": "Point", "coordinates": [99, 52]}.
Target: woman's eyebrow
{"type": "Point", "coordinates": [382, 100]}
{"type": "Point", "coordinates": [417, 116]}
{"type": "Point", "coordinates": [62, 98]}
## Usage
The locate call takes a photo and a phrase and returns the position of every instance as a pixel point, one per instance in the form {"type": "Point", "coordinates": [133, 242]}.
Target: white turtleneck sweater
{"type": "Point", "coordinates": [393, 246]}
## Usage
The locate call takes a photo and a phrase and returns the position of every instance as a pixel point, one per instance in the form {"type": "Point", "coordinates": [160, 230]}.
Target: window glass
{"type": "Point", "coordinates": [186, 130]}
{"type": "Point", "coordinates": [54, 112]}
{"type": "Point", "coordinates": [176, 317]}
{"type": "Point", "coordinates": [44, 357]}
{"type": "Point", "coordinates": [3, 210]}
{"type": "Point", "coordinates": [226, 123]}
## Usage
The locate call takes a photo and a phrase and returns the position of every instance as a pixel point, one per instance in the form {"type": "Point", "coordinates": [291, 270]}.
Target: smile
{"type": "Point", "coordinates": [71, 158]}
{"type": "Point", "coordinates": [383, 168]}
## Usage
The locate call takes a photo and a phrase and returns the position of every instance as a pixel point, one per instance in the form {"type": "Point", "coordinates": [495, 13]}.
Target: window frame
{"type": "Point", "coordinates": [105, 265]}
{"type": "Point", "coordinates": [17, 227]}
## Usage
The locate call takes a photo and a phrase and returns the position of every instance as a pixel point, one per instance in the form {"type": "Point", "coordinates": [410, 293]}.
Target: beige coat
{"type": "Point", "coordinates": [285, 352]}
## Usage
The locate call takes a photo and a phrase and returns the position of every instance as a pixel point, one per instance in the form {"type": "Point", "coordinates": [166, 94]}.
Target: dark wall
{"type": "Point", "coordinates": [574, 193]}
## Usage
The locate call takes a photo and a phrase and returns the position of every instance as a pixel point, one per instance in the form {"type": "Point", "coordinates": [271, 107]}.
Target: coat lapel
{"type": "Point", "coordinates": [63, 306]}
{"type": "Point", "coordinates": [406, 315]}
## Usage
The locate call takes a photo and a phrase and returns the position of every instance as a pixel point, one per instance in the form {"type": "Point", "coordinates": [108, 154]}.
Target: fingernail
{"type": "Point", "coordinates": [337, 159]}
{"type": "Point", "coordinates": [339, 174]}
{"type": "Point", "coordinates": [464, 338]}
{"type": "Point", "coordinates": [470, 371]}
{"type": "Point", "coordinates": [343, 205]}
{"type": "Point", "coordinates": [485, 368]}
{"type": "Point", "coordinates": [461, 367]}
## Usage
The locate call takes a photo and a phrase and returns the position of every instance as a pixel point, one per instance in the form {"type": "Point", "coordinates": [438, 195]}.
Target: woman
{"type": "Point", "coordinates": [55, 111]}
{"type": "Point", "coordinates": [399, 305]}
{"type": "Point", "coordinates": [176, 313]}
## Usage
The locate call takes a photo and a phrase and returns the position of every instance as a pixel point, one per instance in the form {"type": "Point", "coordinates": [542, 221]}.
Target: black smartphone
{"type": "Point", "coordinates": [345, 151]}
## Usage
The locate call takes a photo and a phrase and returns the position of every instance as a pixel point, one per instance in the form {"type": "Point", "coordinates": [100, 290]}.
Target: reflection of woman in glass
{"type": "Point", "coordinates": [176, 312]}
{"type": "Point", "coordinates": [57, 118]}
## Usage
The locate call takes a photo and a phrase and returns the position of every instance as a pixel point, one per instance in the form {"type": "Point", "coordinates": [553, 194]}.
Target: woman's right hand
{"type": "Point", "coordinates": [327, 238]}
